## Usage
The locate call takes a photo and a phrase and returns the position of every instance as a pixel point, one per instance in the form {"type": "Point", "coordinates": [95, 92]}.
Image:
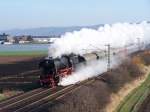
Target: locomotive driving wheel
{"type": "Point", "coordinates": [52, 83]}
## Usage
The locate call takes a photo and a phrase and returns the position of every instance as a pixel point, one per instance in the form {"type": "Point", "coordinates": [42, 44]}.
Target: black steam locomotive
{"type": "Point", "coordinates": [53, 69]}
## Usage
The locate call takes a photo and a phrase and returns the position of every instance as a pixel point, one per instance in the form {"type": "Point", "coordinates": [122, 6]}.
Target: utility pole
{"type": "Point", "coordinates": [108, 57]}
{"type": "Point", "coordinates": [139, 43]}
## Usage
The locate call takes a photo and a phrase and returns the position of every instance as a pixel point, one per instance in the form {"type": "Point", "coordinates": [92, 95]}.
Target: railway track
{"type": "Point", "coordinates": [19, 80]}
{"type": "Point", "coordinates": [15, 80]}
{"type": "Point", "coordinates": [15, 103]}
{"type": "Point", "coordinates": [20, 97]}
{"type": "Point", "coordinates": [24, 74]}
{"type": "Point", "coordinates": [43, 107]}
{"type": "Point", "coordinates": [38, 99]}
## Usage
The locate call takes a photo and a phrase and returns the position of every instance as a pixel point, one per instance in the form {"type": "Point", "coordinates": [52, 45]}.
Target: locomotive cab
{"type": "Point", "coordinates": [47, 68]}
{"type": "Point", "coordinates": [48, 65]}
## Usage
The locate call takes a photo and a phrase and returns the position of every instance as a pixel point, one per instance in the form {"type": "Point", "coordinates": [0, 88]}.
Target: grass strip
{"type": "Point", "coordinates": [132, 101]}
{"type": "Point", "coordinates": [141, 100]}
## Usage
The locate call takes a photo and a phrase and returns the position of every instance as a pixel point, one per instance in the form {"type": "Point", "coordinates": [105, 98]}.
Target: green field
{"type": "Point", "coordinates": [132, 101]}
{"type": "Point", "coordinates": [23, 53]}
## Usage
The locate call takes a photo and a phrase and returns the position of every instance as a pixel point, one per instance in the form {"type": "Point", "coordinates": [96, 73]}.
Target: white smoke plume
{"type": "Point", "coordinates": [87, 40]}
{"type": "Point", "coordinates": [91, 69]}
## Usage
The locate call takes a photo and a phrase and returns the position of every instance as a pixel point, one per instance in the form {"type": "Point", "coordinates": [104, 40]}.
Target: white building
{"type": "Point", "coordinates": [43, 39]}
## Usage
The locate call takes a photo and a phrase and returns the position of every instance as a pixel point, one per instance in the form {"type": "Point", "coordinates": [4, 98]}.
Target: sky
{"type": "Point", "coordinates": [22, 14]}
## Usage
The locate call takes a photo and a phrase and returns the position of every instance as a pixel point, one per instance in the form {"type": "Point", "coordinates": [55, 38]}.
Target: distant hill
{"type": "Point", "coordinates": [46, 31]}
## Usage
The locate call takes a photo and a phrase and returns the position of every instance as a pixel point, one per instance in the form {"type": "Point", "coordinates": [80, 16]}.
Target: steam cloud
{"type": "Point", "coordinates": [92, 69]}
{"type": "Point", "coordinates": [87, 40]}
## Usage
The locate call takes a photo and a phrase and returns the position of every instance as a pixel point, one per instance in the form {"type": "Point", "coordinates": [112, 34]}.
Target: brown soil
{"type": "Point", "coordinates": [11, 68]}
{"type": "Point", "coordinates": [14, 59]}
{"type": "Point", "coordinates": [15, 65]}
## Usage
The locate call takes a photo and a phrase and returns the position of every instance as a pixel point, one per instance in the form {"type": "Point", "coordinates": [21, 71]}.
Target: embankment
{"type": "Point", "coordinates": [105, 95]}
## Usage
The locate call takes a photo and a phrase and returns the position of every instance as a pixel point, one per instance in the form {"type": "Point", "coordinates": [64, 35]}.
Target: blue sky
{"type": "Point", "coordinates": [44, 13]}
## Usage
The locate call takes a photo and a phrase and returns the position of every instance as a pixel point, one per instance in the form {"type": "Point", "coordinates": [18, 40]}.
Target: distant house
{"type": "Point", "coordinates": [23, 39]}
{"type": "Point", "coordinates": [11, 39]}
{"type": "Point", "coordinates": [44, 39]}
{"type": "Point", "coordinates": [3, 37]}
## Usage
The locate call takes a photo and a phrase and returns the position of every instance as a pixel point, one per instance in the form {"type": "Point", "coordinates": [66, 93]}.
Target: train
{"type": "Point", "coordinates": [54, 69]}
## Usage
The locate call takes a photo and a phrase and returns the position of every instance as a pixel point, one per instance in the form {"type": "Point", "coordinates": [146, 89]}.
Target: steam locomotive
{"type": "Point", "coordinates": [53, 69]}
